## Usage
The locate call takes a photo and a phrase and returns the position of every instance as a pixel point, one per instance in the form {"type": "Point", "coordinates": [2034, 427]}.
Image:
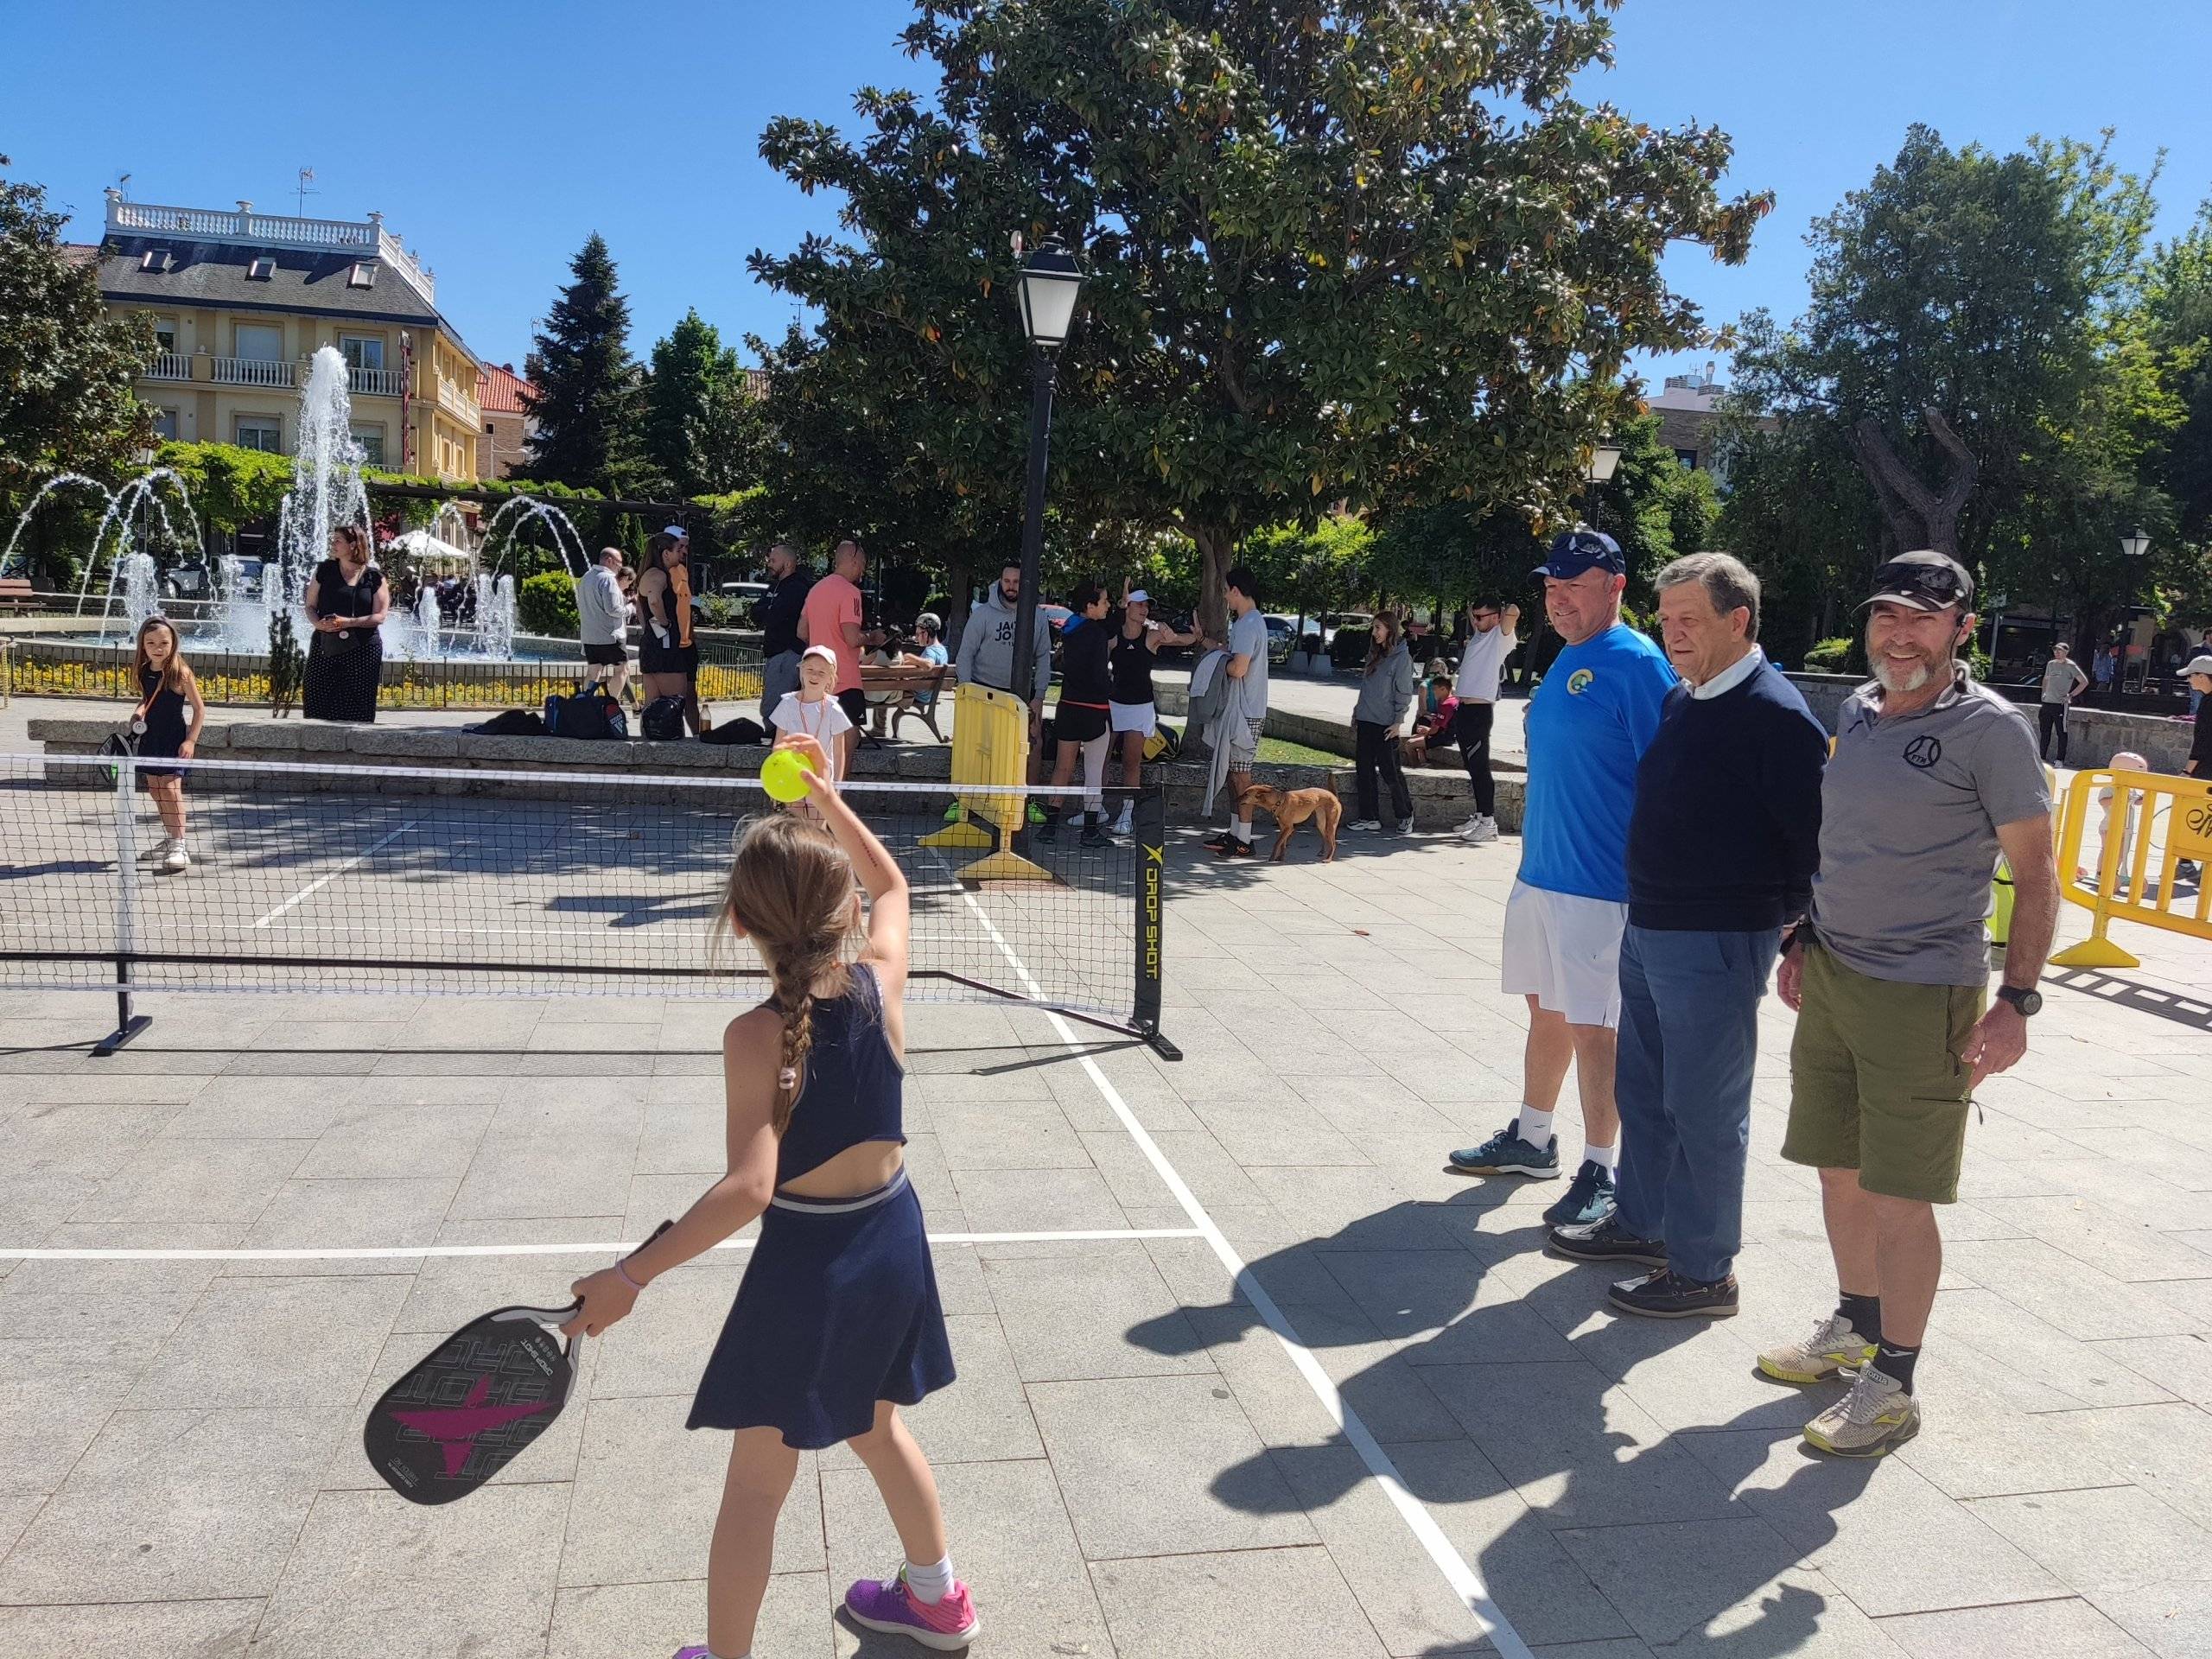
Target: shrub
{"type": "Point", "coordinates": [546, 604]}
{"type": "Point", "coordinates": [1829, 657]}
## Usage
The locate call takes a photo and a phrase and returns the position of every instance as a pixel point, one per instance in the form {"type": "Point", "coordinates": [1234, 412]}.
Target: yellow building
{"type": "Point", "coordinates": [241, 300]}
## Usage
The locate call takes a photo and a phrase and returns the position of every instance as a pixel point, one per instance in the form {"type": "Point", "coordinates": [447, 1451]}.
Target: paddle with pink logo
{"type": "Point", "coordinates": [473, 1403]}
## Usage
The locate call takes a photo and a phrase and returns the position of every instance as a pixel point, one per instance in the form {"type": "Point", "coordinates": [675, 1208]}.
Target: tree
{"type": "Point", "coordinates": [1309, 570]}
{"type": "Point", "coordinates": [583, 384]}
{"type": "Point", "coordinates": [702, 430]}
{"type": "Point", "coordinates": [1955, 328]}
{"type": "Point", "coordinates": [1338, 249]}
{"type": "Point", "coordinates": [67, 369]}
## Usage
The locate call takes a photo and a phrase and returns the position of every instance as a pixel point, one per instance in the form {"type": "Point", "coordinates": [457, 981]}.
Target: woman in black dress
{"type": "Point", "coordinates": [668, 655]}
{"type": "Point", "coordinates": [347, 600]}
{"type": "Point", "coordinates": [166, 723]}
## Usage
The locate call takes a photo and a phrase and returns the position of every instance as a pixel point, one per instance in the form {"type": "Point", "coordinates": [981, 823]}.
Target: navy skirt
{"type": "Point", "coordinates": [838, 1309]}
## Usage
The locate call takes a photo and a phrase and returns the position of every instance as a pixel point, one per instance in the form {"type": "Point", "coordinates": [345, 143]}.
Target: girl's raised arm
{"type": "Point", "coordinates": [879, 873]}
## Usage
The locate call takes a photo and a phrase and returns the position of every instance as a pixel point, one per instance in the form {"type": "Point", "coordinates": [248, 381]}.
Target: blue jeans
{"type": "Point", "coordinates": [1688, 1036]}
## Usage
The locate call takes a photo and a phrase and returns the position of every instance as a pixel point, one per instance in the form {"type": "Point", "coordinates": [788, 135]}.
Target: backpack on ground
{"type": "Point", "coordinates": [662, 720]}
{"type": "Point", "coordinates": [1165, 745]}
{"type": "Point", "coordinates": [590, 713]}
{"type": "Point", "coordinates": [740, 730]}
{"type": "Point", "coordinates": [510, 722]}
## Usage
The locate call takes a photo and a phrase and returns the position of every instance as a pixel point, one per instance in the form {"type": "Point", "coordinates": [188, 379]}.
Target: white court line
{"type": "Point", "coordinates": [1465, 1582]}
{"type": "Point", "coordinates": [317, 886]}
{"type": "Point", "coordinates": [404, 1252]}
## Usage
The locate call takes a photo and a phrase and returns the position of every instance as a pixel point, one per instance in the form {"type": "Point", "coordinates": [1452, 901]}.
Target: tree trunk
{"type": "Point", "coordinates": [1217, 547]}
{"type": "Point", "coordinates": [958, 585]}
{"type": "Point", "coordinates": [1917, 516]}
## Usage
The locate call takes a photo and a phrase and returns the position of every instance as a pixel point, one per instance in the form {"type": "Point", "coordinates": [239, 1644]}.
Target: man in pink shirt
{"type": "Point", "coordinates": [832, 617]}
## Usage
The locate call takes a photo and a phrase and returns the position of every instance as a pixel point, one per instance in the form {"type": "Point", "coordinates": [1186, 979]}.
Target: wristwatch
{"type": "Point", "coordinates": [2027, 1002]}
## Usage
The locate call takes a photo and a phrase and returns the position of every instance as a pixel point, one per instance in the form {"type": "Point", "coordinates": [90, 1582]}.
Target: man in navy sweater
{"type": "Point", "coordinates": [1721, 849]}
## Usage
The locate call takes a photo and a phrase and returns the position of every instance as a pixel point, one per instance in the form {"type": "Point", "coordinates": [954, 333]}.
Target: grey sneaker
{"type": "Point", "coordinates": [157, 852]}
{"type": "Point", "coordinates": [1876, 1417]}
{"type": "Point", "coordinates": [1365, 823]}
{"type": "Point", "coordinates": [1478, 831]}
{"type": "Point", "coordinates": [1834, 1347]}
{"type": "Point", "coordinates": [175, 860]}
{"type": "Point", "coordinates": [1507, 1153]}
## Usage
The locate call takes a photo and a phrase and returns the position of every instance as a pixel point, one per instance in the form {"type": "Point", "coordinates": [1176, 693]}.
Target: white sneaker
{"type": "Point", "coordinates": [1124, 824]}
{"type": "Point", "coordinates": [1365, 823]}
{"type": "Point", "coordinates": [157, 852]}
{"type": "Point", "coordinates": [174, 860]}
{"type": "Point", "coordinates": [1471, 822]}
{"type": "Point", "coordinates": [1478, 831]}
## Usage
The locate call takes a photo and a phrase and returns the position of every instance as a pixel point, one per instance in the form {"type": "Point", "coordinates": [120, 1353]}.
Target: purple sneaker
{"type": "Point", "coordinates": [891, 1606]}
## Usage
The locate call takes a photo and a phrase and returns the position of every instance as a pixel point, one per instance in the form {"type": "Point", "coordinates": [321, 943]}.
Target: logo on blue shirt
{"type": "Point", "coordinates": [1578, 682]}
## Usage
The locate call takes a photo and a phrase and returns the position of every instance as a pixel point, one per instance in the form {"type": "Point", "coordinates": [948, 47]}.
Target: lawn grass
{"type": "Point", "coordinates": [1283, 752]}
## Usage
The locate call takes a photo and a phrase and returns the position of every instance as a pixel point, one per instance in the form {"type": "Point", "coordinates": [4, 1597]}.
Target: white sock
{"type": "Point", "coordinates": [1242, 830]}
{"type": "Point", "coordinates": [930, 1584]}
{"type": "Point", "coordinates": [1534, 1127]}
{"type": "Point", "coordinates": [1607, 1158]}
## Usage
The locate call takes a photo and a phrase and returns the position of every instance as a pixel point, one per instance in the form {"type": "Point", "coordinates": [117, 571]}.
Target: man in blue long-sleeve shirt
{"type": "Point", "coordinates": [1722, 846]}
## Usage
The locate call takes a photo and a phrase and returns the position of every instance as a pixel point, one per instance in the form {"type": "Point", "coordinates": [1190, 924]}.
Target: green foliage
{"type": "Point", "coordinates": [1308, 571]}
{"type": "Point", "coordinates": [288, 664]}
{"type": "Point", "coordinates": [67, 369]}
{"type": "Point", "coordinates": [702, 431]}
{"type": "Point", "coordinates": [230, 486]}
{"type": "Point", "coordinates": [1830, 657]}
{"type": "Point", "coordinates": [1442, 554]}
{"type": "Point", "coordinates": [546, 604]}
{"type": "Point", "coordinates": [584, 384]}
{"type": "Point", "coordinates": [1323, 266]}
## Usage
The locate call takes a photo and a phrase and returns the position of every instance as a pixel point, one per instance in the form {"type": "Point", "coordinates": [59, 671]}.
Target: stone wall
{"type": "Point", "coordinates": [2093, 735]}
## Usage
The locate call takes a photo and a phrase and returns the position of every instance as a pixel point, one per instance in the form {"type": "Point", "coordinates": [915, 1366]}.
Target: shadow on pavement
{"type": "Point", "coordinates": [1501, 1390]}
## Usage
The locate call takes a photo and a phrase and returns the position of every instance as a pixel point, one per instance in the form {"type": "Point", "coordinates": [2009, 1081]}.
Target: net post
{"type": "Point", "coordinates": [1150, 824]}
{"type": "Point", "coordinates": [127, 1024]}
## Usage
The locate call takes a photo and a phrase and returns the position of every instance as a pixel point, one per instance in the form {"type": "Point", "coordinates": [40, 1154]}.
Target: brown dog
{"type": "Point", "coordinates": [1292, 808]}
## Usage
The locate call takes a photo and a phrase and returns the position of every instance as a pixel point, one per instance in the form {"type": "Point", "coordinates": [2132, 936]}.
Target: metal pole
{"type": "Point", "coordinates": [1043, 369]}
{"type": "Point", "coordinates": [127, 1025]}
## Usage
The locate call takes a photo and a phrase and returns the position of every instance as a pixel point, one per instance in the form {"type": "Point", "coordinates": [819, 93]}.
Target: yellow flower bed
{"type": "Point", "coordinates": [36, 676]}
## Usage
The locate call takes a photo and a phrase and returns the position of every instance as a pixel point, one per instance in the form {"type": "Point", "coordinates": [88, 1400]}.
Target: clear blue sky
{"type": "Point", "coordinates": [494, 138]}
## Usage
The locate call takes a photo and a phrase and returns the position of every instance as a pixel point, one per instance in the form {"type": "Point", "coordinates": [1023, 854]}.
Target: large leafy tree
{"type": "Point", "coordinates": [584, 384]}
{"type": "Point", "coordinates": [702, 430]}
{"type": "Point", "coordinates": [1358, 250]}
{"type": "Point", "coordinates": [67, 369]}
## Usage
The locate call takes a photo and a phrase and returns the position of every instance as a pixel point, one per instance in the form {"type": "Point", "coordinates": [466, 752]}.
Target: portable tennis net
{"type": "Point", "coordinates": [322, 878]}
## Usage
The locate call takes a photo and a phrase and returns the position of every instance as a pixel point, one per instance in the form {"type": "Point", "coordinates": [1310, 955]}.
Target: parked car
{"type": "Point", "coordinates": [1278, 638]}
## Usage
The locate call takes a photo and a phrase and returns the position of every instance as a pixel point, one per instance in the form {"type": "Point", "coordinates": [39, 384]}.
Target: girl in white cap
{"type": "Point", "coordinates": [813, 710]}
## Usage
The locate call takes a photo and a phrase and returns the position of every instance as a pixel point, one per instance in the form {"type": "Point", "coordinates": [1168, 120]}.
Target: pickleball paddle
{"type": "Point", "coordinates": [473, 1404]}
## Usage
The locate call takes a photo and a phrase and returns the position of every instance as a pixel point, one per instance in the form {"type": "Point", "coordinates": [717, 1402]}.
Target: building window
{"type": "Point", "coordinates": [165, 334]}
{"type": "Point", "coordinates": [260, 269]}
{"type": "Point", "coordinates": [363, 275]}
{"type": "Point", "coordinates": [263, 432]}
{"type": "Point", "coordinates": [1687, 457]}
{"type": "Point", "coordinates": [165, 424]}
{"type": "Point", "coordinates": [362, 351]}
{"type": "Point", "coordinates": [371, 438]}
{"type": "Point", "coordinates": [155, 260]}
{"type": "Point", "coordinates": [260, 342]}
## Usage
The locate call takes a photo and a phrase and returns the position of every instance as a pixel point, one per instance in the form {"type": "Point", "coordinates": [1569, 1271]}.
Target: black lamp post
{"type": "Point", "coordinates": [1604, 459]}
{"type": "Point", "coordinates": [1049, 283]}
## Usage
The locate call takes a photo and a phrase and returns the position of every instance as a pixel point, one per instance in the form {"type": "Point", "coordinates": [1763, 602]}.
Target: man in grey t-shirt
{"type": "Point", "coordinates": [2062, 681]}
{"type": "Point", "coordinates": [1931, 777]}
{"type": "Point", "coordinates": [1246, 716]}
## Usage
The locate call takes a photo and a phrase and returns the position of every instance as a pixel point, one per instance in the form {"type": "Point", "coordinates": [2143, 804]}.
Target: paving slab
{"type": "Point", "coordinates": [2071, 1627]}
{"type": "Point", "coordinates": [1249, 1601]}
{"type": "Point", "coordinates": [205, 1629]}
{"type": "Point", "coordinates": [620, 1621]}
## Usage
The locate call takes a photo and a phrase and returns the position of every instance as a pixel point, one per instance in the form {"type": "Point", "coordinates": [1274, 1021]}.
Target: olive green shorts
{"type": "Point", "coordinates": [1876, 1084]}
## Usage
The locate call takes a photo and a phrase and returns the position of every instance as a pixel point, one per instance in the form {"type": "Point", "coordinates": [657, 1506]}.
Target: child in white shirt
{"type": "Point", "coordinates": [813, 708]}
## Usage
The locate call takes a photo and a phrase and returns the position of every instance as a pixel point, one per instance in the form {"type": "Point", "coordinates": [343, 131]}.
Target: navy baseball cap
{"type": "Point", "coordinates": [1579, 550]}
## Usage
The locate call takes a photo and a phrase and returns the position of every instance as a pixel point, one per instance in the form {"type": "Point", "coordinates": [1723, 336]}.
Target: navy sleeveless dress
{"type": "Point", "coordinates": [838, 1308]}
{"type": "Point", "coordinates": [167, 725]}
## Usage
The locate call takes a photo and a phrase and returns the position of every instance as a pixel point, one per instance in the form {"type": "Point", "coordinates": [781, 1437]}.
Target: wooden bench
{"type": "Point", "coordinates": [16, 595]}
{"type": "Point", "coordinates": [902, 690]}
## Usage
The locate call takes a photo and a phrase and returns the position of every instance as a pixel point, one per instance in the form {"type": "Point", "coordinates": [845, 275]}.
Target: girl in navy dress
{"type": "Point", "coordinates": [837, 1322]}
{"type": "Point", "coordinates": [167, 722]}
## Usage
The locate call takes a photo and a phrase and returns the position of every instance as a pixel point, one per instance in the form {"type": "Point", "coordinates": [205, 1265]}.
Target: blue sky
{"type": "Point", "coordinates": [495, 138]}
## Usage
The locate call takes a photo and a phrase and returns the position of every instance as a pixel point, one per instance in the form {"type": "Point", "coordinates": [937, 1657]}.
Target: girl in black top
{"type": "Point", "coordinates": [1080, 721]}
{"type": "Point", "coordinates": [1137, 640]}
{"type": "Point", "coordinates": [347, 600]}
{"type": "Point", "coordinates": [166, 723]}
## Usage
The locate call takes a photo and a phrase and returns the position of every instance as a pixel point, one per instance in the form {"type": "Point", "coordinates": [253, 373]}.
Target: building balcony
{"type": "Point", "coordinates": [376, 382]}
{"type": "Point", "coordinates": [361, 239]}
{"type": "Point", "coordinates": [253, 371]}
{"type": "Point", "coordinates": [168, 365]}
{"type": "Point", "coordinates": [460, 404]}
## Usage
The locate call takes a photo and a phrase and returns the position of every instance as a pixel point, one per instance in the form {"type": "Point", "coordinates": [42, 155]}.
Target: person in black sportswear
{"type": "Point", "coordinates": [1079, 723]}
{"type": "Point", "coordinates": [1132, 714]}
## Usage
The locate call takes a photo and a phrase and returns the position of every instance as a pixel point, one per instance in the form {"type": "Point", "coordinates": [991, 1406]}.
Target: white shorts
{"type": "Point", "coordinates": [1135, 717]}
{"type": "Point", "coordinates": [1565, 950]}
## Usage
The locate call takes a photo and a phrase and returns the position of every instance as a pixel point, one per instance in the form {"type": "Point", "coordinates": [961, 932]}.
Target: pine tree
{"type": "Point", "coordinates": [288, 664]}
{"type": "Point", "coordinates": [67, 369]}
{"type": "Point", "coordinates": [584, 395]}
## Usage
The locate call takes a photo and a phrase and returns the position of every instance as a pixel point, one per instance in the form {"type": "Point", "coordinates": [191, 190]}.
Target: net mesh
{"type": "Point", "coordinates": [499, 883]}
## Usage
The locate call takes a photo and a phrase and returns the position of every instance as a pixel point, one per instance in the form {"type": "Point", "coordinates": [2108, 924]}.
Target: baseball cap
{"type": "Point", "coordinates": [677, 530]}
{"type": "Point", "coordinates": [1139, 597]}
{"type": "Point", "coordinates": [1579, 550]}
{"type": "Point", "coordinates": [1924, 580]}
{"type": "Point", "coordinates": [823, 651]}
{"type": "Point", "coordinates": [2197, 666]}
{"type": "Point", "coordinates": [931, 620]}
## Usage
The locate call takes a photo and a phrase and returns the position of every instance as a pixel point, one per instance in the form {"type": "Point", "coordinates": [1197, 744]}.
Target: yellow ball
{"type": "Point", "coordinates": [783, 774]}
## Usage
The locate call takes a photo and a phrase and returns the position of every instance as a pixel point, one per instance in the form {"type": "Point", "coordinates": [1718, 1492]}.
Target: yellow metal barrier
{"type": "Point", "coordinates": [990, 766]}
{"type": "Point", "coordinates": [2186, 804]}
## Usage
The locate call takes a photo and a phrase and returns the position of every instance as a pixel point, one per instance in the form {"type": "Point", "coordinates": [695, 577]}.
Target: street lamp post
{"type": "Point", "coordinates": [1604, 459]}
{"type": "Point", "coordinates": [2133, 547]}
{"type": "Point", "coordinates": [1049, 283]}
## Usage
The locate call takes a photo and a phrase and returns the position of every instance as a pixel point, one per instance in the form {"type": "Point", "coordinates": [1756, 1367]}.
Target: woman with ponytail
{"type": "Point", "coordinates": [837, 1323]}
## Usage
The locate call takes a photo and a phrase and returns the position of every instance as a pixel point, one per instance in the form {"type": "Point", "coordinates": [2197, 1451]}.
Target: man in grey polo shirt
{"type": "Point", "coordinates": [1932, 776]}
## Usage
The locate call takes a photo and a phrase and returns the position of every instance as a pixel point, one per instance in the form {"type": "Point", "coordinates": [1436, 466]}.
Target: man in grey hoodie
{"type": "Point", "coordinates": [603, 620]}
{"type": "Point", "coordinates": [1386, 691]}
{"type": "Point", "coordinates": [987, 646]}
